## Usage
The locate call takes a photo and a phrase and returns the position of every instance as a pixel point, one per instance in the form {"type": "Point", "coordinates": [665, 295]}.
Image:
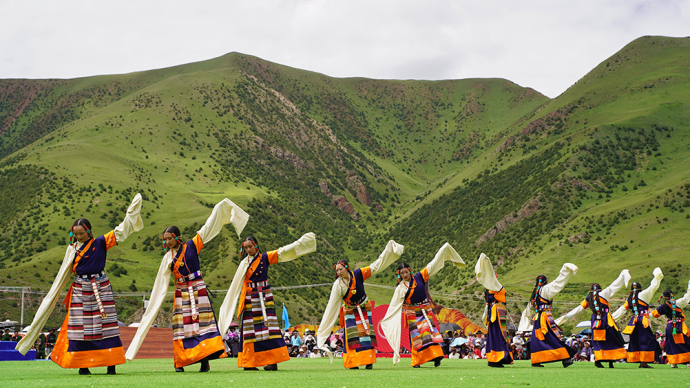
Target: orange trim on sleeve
{"type": "Point", "coordinates": [626, 306]}
{"type": "Point", "coordinates": [500, 296]}
{"type": "Point", "coordinates": [366, 273]}
{"type": "Point", "coordinates": [584, 304]}
{"type": "Point", "coordinates": [272, 257]}
{"type": "Point", "coordinates": [198, 242]}
{"type": "Point", "coordinates": [655, 314]}
{"type": "Point", "coordinates": [110, 240]}
{"type": "Point", "coordinates": [425, 275]}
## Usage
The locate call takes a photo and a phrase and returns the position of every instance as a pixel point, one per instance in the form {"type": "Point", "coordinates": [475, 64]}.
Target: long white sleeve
{"type": "Point", "coordinates": [606, 293]}
{"type": "Point", "coordinates": [160, 288]}
{"type": "Point", "coordinates": [227, 309]}
{"type": "Point", "coordinates": [526, 319]}
{"type": "Point", "coordinates": [330, 316]}
{"type": "Point", "coordinates": [391, 324]}
{"type": "Point", "coordinates": [552, 289]}
{"type": "Point", "coordinates": [225, 212]}
{"type": "Point", "coordinates": [486, 275]}
{"type": "Point", "coordinates": [618, 314]}
{"type": "Point", "coordinates": [390, 254]}
{"type": "Point", "coordinates": [446, 253]}
{"type": "Point", "coordinates": [620, 282]}
{"type": "Point", "coordinates": [132, 222]}
{"type": "Point", "coordinates": [682, 302]}
{"type": "Point", "coordinates": [306, 244]}
{"type": "Point", "coordinates": [647, 295]}
{"type": "Point", "coordinates": [48, 303]}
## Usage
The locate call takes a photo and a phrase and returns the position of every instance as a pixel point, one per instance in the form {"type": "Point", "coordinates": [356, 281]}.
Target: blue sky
{"type": "Point", "coordinates": [546, 45]}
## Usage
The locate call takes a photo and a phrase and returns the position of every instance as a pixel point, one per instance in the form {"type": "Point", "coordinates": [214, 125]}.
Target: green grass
{"type": "Point", "coordinates": [318, 373]}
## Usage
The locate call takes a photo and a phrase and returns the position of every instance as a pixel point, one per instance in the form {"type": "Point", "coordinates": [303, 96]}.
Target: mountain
{"type": "Point", "coordinates": [595, 176]}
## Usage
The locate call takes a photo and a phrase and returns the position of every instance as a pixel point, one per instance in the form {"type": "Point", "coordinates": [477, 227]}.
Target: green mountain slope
{"type": "Point", "coordinates": [595, 176]}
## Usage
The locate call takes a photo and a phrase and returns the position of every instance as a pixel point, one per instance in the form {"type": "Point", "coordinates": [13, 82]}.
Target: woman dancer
{"type": "Point", "coordinates": [413, 297]}
{"type": "Point", "coordinates": [89, 336]}
{"type": "Point", "coordinates": [349, 301]}
{"type": "Point", "coordinates": [195, 334]}
{"type": "Point", "coordinates": [262, 342]}
{"type": "Point", "coordinates": [497, 347]}
{"type": "Point", "coordinates": [642, 345]}
{"type": "Point", "coordinates": [608, 343]}
{"type": "Point", "coordinates": [677, 334]}
{"type": "Point", "coordinates": [545, 345]}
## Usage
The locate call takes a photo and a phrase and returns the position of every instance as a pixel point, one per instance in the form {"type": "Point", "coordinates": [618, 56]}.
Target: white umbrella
{"type": "Point", "coordinates": [459, 342]}
{"type": "Point", "coordinates": [584, 324]}
{"type": "Point", "coordinates": [134, 324]}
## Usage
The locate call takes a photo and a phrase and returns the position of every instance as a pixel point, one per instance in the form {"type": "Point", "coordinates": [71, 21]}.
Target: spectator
{"type": "Point", "coordinates": [477, 352]}
{"type": "Point", "coordinates": [309, 340]}
{"type": "Point", "coordinates": [482, 341]}
{"type": "Point", "coordinates": [295, 340]}
{"type": "Point", "coordinates": [586, 352]}
{"type": "Point", "coordinates": [233, 341]}
{"type": "Point", "coordinates": [454, 354]}
{"type": "Point", "coordinates": [51, 338]}
{"type": "Point", "coordinates": [286, 337]}
{"type": "Point", "coordinates": [16, 337]}
{"type": "Point", "coordinates": [7, 336]}
{"type": "Point", "coordinates": [302, 354]}
{"type": "Point", "coordinates": [294, 351]}
{"type": "Point", "coordinates": [315, 354]}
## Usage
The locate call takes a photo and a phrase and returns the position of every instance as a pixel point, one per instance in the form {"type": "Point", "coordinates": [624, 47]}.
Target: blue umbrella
{"type": "Point", "coordinates": [586, 331]}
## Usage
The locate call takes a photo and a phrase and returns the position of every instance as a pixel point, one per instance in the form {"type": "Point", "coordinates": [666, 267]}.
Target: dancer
{"type": "Point", "coordinates": [608, 343]}
{"type": "Point", "coordinates": [497, 347]}
{"type": "Point", "coordinates": [545, 345]}
{"type": "Point", "coordinates": [195, 333]}
{"type": "Point", "coordinates": [262, 343]}
{"type": "Point", "coordinates": [349, 301]}
{"type": "Point", "coordinates": [89, 336]}
{"type": "Point", "coordinates": [677, 334]}
{"type": "Point", "coordinates": [642, 344]}
{"type": "Point", "coordinates": [412, 296]}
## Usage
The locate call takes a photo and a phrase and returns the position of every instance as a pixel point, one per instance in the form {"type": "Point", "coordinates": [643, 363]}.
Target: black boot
{"type": "Point", "coordinates": [355, 367]}
{"type": "Point", "coordinates": [495, 365]}
{"type": "Point", "coordinates": [179, 369]}
{"type": "Point", "coordinates": [538, 365]}
{"type": "Point", "coordinates": [417, 366]}
{"type": "Point", "coordinates": [645, 365]}
{"type": "Point", "coordinates": [437, 362]}
{"type": "Point", "coordinates": [205, 367]}
{"type": "Point", "coordinates": [567, 363]}
{"type": "Point", "coordinates": [111, 370]}
{"type": "Point", "coordinates": [610, 364]}
{"type": "Point", "coordinates": [370, 366]}
{"type": "Point", "coordinates": [251, 368]}
{"type": "Point", "coordinates": [598, 364]}
{"type": "Point", "coordinates": [271, 367]}
{"type": "Point", "coordinates": [84, 371]}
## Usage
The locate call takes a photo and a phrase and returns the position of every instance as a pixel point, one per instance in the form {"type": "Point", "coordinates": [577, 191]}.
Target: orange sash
{"type": "Point", "coordinates": [246, 288]}
{"type": "Point", "coordinates": [80, 254]}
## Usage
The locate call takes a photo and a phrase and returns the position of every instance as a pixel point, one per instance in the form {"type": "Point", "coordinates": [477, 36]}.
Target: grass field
{"type": "Point", "coordinates": [318, 373]}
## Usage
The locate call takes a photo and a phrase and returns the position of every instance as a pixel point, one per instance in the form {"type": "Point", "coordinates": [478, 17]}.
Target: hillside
{"type": "Point", "coordinates": [595, 176]}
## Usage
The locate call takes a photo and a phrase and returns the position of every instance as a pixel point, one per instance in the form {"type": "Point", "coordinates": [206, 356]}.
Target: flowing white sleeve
{"type": "Point", "coordinates": [618, 314]}
{"type": "Point", "coordinates": [446, 253]}
{"type": "Point", "coordinates": [560, 320]}
{"type": "Point", "coordinates": [225, 212]}
{"type": "Point", "coordinates": [526, 319]}
{"type": "Point", "coordinates": [486, 275]}
{"type": "Point", "coordinates": [48, 303]}
{"type": "Point", "coordinates": [682, 302]}
{"type": "Point", "coordinates": [647, 294]}
{"type": "Point", "coordinates": [391, 323]}
{"type": "Point", "coordinates": [227, 309]}
{"type": "Point", "coordinates": [306, 244]}
{"type": "Point", "coordinates": [621, 281]}
{"type": "Point", "coordinates": [330, 316]}
{"type": "Point", "coordinates": [390, 254]}
{"type": "Point", "coordinates": [132, 222]}
{"type": "Point", "coordinates": [553, 288]}
{"type": "Point", "coordinates": [160, 288]}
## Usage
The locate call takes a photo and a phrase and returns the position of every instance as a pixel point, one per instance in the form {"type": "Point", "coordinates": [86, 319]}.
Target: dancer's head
{"type": "Point", "coordinates": [596, 287]}
{"type": "Point", "coordinates": [249, 247]}
{"type": "Point", "coordinates": [342, 269]}
{"type": "Point", "coordinates": [668, 295]}
{"type": "Point", "coordinates": [636, 287]}
{"type": "Point", "coordinates": [80, 231]}
{"type": "Point", "coordinates": [404, 272]}
{"type": "Point", "coordinates": [540, 282]}
{"type": "Point", "coordinates": [171, 237]}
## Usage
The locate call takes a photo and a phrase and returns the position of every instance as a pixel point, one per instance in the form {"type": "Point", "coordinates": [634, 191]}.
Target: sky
{"type": "Point", "coordinates": [544, 44]}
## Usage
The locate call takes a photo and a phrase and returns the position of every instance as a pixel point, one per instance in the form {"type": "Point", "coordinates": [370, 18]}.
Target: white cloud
{"type": "Point", "coordinates": [546, 45]}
